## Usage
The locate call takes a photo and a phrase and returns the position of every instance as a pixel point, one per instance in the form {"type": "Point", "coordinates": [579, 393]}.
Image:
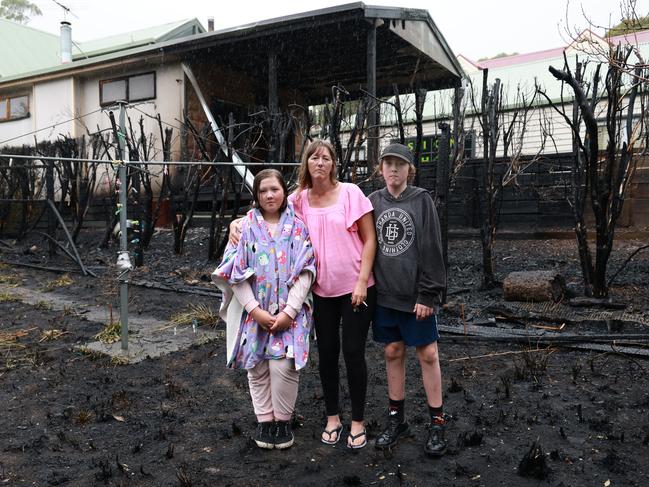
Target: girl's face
{"type": "Point", "coordinates": [395, 172]}
{"type": "Point", "coordinates": [321, 164]}
{"type": "Point", "coordinates": [270, 196]}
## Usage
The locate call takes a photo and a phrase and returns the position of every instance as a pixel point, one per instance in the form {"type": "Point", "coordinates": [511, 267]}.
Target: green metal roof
{"type": "Point", "coordinates": [137, 38]}
{"type": "Point", "coordinates": [24, 49]}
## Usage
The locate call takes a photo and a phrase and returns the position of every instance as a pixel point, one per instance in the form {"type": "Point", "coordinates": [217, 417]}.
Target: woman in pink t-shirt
{"type": "Point", "coordinates": [340, 223]}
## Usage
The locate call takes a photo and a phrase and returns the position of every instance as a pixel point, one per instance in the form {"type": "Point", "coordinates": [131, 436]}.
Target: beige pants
{"type": "Point", "coordinates": [273, 389]}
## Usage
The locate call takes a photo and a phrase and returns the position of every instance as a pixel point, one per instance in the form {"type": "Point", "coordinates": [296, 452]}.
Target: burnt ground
{"type": "Point", "coordinates": [75, 418]}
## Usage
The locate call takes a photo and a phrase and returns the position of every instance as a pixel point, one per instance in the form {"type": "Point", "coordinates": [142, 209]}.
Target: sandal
{"type": "Point", "coordinates": [354, 438]}
{"type": "Point", "coordinates": [337, 431]}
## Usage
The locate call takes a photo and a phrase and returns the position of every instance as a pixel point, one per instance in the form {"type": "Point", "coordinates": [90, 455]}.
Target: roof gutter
{"type": "Point", "coordinates": [70, 70]}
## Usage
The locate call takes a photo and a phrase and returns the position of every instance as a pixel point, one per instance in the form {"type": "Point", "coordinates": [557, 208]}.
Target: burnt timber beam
{"type": "Point", "coordinates": [373, 115]}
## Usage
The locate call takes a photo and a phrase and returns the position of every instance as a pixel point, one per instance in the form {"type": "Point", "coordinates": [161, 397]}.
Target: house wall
{"type": "Point", "coordinates": [53, 102]}
{"type": "Point", "coordinates": [168, 103]}
{"type": "Point", "coordinates": [50, 103]}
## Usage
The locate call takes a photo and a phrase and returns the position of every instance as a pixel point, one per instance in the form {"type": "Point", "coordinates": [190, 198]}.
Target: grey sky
{"type": "Point", "coordinates": [475, 28]}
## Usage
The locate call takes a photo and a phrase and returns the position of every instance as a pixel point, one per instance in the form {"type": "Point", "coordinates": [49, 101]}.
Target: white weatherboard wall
{"type": "Point", "coordinates": [51, 103]}
{"type": "Point", "coordinates": [168, 103]}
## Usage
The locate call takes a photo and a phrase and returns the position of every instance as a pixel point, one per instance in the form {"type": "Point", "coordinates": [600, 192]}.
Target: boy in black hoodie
{"type": "Point", "coordinates": [410, 278]}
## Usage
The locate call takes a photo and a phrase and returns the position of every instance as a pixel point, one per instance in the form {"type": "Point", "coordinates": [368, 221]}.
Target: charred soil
{"type": "Point", "coordinates": [519, 413]}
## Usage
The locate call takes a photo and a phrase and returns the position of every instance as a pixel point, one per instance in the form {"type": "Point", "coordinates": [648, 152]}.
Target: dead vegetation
{"type": "Point", "coordinates": [194, 315]}
{"type": "Point", "coordinates": [63, 281]}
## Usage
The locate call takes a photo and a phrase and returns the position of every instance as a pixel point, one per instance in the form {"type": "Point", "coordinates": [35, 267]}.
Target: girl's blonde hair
{"type": "Point", "coordinates": [304, 180]}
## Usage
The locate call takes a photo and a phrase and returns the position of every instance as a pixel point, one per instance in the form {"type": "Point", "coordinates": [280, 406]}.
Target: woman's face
{"type": "Point", "coordinates": [320, 164]}
{"type": "Point", "coordinates": [270, 196]}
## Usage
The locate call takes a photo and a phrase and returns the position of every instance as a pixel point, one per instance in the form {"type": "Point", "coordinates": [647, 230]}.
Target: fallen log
{"type": "Point", "coordinates": [628, 344]}
{"type": "Point", "coordinates": [583, 302]}
{"type": "Point", "coordinates": [534, 286]}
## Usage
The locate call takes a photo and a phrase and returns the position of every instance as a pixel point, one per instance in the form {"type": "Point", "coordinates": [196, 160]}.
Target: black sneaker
{"type": "Point", "coordinates": [436, 444]}
{"type": "Point", "coordinates": [395, 429]}
{"type": "Point", "coordinates": [265, 435]}
{"type": "Point", "coordinates": [284, 435]}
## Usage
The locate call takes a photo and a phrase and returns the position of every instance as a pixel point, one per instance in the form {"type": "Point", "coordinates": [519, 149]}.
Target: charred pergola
{"type": "Point", "coordinates": [297, 59]}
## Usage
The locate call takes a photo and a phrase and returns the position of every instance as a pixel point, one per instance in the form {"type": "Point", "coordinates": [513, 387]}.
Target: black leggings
{"type": "Point", "coordinates": [327, 314]}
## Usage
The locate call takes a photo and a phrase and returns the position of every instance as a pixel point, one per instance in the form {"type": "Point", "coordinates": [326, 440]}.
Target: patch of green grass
{"type": "Point", "coordinates": [111, 333]}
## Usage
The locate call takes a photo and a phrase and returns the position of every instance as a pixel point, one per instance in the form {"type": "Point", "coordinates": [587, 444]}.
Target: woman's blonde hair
{"type": "Point", "coordinates": [304, 177]}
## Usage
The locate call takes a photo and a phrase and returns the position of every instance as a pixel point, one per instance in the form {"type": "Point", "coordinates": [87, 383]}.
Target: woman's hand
{"type": "Point", "coordinates": [282, 322]}
{"type": "Point", "coordinates": [235, 231]}
{"type": "Point", "coordinates": [368, 236]}
{"type": "Point", "coordinates": [359, 295]}
{"type": "Point", "coordinates": [422, 312]}
{"type": "Point", "coordinates": [263, 318]}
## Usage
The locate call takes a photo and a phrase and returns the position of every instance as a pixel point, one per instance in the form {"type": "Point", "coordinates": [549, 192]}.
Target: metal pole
{"type": "Point", "coordinates": [123, 261]}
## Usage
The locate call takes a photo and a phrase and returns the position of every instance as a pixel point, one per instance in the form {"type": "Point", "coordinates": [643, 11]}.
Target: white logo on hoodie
{"type": "Point", "coordinates": [395, 231]}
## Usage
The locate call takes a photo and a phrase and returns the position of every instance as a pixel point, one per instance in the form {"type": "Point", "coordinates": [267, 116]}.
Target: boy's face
{"type": "Point", "coordinates": [395, 172]}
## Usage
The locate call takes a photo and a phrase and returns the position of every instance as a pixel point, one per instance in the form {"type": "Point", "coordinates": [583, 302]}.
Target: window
{"type": "Point", "coordinates": [129, 88]}
{"type": "Point", "coordinates": [14, 107]}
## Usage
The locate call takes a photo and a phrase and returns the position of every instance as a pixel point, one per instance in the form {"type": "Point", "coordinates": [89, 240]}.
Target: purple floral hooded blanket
{"type": "Point", "coordinates": [272, 263]}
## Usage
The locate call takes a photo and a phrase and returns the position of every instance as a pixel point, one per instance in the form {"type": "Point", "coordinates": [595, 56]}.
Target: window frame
{"type": "Point", "coordinates": [128, 94]}
{"type": "Point", "coordinates": [6, 117]}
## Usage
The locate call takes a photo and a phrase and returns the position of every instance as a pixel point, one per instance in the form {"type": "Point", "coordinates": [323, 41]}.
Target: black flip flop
{"type": "Point", "coordinates": [355, 437]}
{"type": "Point", "coordinates": [338, 432]}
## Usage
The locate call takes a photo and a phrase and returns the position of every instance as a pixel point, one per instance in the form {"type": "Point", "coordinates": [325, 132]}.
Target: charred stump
{"type": "Point", "coordinates": [533, 286]}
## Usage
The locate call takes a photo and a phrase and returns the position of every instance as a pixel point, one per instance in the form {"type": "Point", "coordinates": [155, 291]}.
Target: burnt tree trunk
{"type": "Point", "coordinates": [441, 190]}
{"type": "Point", "coordinates": [420, 99]}
{"type": "Point", "coordinates": [489, 212]}
{"type": "Point", "coordinates": [603, 176]}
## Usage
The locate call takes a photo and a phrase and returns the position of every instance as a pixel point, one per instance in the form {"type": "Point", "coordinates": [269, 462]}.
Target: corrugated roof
{"type": "Point", "coordinates": [24, 49]}
{"type": "Point", "coordinates": [136, 38]}
{"type": "Point", "coordinates": [635, 38]}
{"type": "Point", "coordinates": [437, 72]}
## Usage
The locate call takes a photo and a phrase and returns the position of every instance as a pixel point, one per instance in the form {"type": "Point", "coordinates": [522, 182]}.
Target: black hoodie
{"type": "Point", "coordinates": [409, 265]}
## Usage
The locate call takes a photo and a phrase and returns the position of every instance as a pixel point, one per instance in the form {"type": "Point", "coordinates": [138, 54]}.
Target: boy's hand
{"type": "Point", "coordinates": [235, 232]}
{"type": "Point", "coordinates": [422, 312]}
{"type": "Point", "coordinates": [282, 322]}
{"type": "Point", "coordinates": [263, 318]}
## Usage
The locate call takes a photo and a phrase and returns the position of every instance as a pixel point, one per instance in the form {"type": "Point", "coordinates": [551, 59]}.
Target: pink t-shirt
{"type": "Point", "coordinates": [335, 238]}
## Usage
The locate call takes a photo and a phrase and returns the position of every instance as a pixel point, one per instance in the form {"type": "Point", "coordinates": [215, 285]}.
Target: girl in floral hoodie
{"type": "Point", "coordinates": [271, 271]}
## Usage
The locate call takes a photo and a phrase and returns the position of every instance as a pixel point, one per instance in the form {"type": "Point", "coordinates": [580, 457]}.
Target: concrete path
{"type": "Point", "coordinates": [148, 337]}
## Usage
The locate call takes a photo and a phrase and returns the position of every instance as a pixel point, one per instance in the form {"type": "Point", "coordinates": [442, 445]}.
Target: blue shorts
{"type": "Point", "coordinates": [391, 325]}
